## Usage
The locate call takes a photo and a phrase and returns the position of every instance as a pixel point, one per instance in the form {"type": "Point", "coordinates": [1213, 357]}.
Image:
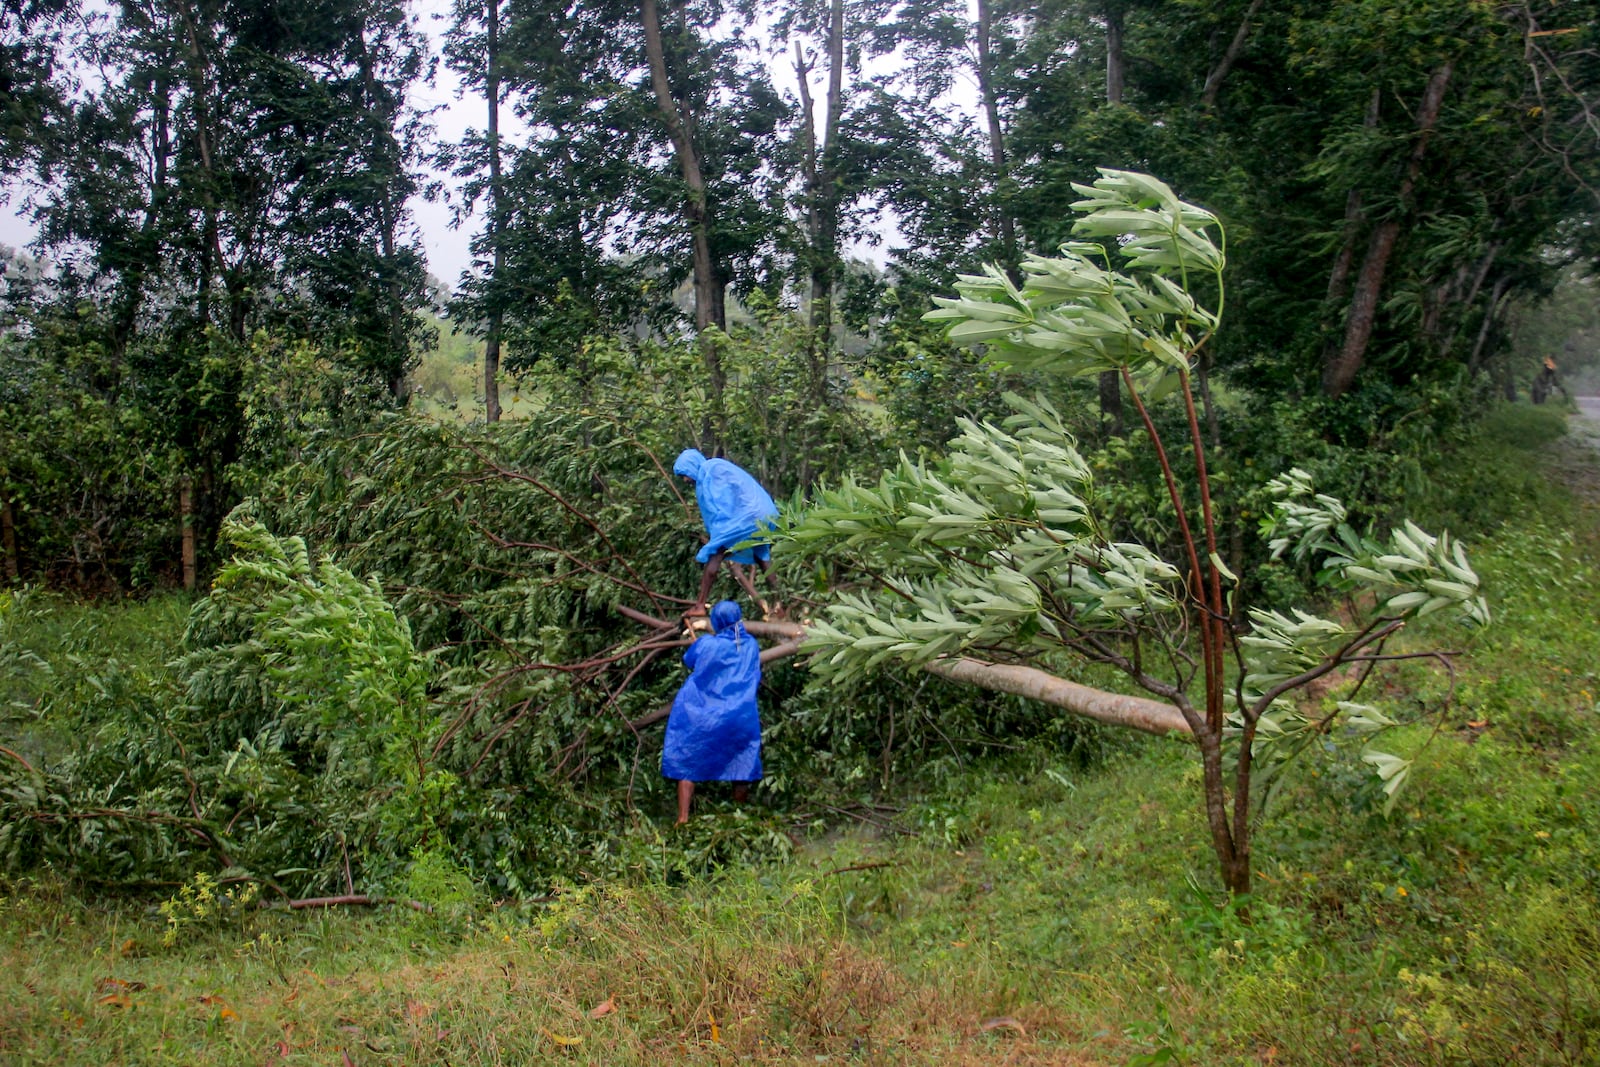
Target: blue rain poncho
{"type": "Point", "coordinates": [714, 732]}
{"type": "Point", "coordinates": [733, 505]}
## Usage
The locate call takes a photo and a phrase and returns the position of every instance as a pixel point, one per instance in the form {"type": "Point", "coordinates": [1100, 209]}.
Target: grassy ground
{"type": "Point", "coordinates": [448, 383]}
{"type": "Point", "coordinates": [1027, 916]}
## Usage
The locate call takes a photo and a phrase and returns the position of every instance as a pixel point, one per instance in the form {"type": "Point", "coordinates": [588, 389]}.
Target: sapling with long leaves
{"type": "Point", "coordinates": [994, 558]}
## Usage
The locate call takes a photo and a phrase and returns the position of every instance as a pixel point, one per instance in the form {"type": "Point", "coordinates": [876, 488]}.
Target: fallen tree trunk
{"type": "Point", "coordinates": [357, 899]}
{"type": "Point", "coordinates": [1118, 709]}
{"type": "Point", "coordinates": [1137, 713]}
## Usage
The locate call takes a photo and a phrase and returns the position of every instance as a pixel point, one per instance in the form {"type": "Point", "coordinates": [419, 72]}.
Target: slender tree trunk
{"type": "Point", "coordinates": [8, 539]}
{"type": "Point", "coordinates": [1219, 73]}
{"type": "Point", "coordinates": [1115, 77]}
{"type": "Point", "coordinates": [186, 526]}
{"type": "Point", "coordinates": [679, 123]}
{"type": "Point", "coordinates": [1111, 381]}
{"type": "Point", "coordinates": [825, 264]}
{"type": "Point", "coordinates": [1340, 372]}
{"type": "Point", "coordinates": [1471, 297]}
{"type": "Point", "coordinates": [381, 108]}
{"type": "Point", "coordinates": [820, 170]}
{"type": "Point", "coordinates": [491, 94]}
{"type": "Point", "coordinates": [1002, 225]}
{"type": "Point", "coordinates": [1339, 276]}
{"type": "Point", "coordinates": [1490, 314]}
{"type": "Point", "coordinates": [212, 259]}
{"type": "Point", "coordinates": [709, 295]}
{"type": "Point", "coordinates": [149, 243]}
{"type": "Point", "coordinates": [810, 170]}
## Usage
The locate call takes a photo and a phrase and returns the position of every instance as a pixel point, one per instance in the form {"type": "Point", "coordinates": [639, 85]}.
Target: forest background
{"type": "Point", "coordinates": [405, 677]}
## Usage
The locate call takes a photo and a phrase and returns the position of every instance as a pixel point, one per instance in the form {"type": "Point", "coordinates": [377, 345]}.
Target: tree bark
{"type": "Point", "coordinates": [1341, 370]}
{"type": "Point", "coordinates": [148, 243]}
{"type": "Point", "coordinates": [825, 202]}
{"type": "Point", "coordinates": [1111, 381]}
{"type": "Point", "coordinates": [1003, 226]}
{"type": "Point", "coordinates": [1111, 402]}
{"type": "Point", "coordinates": [1138, 713]}
{"type": "Point", "coordinates": [8, 539]}
{"type": "Point", "coordinates": [213, 261]}
{"type": "Point", "coordinates": [1214, 80]}
{"type": "Point", "coordinates": [676, 116]}
{"type": "Point", "coordinates": [1115, 77]}
{"type": "Point", "coordinates": [1471, 298]}
{"type": "Point", "coordinates": [679, 124]}
{"type": "Point", "coordinates": [1490, 314]}
{"type": "Point", "coordinates": [186, 526]}
{"type": "Point", "coordinates": [491, 95]}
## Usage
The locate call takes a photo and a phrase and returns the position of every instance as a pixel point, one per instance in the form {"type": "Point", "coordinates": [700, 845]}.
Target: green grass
{"type": "Point", "coordinates": [1031, 914]}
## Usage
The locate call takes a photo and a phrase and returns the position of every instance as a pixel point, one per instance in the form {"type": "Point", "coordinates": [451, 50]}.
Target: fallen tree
{"type": "Point", "coordinates": [1115, 709]}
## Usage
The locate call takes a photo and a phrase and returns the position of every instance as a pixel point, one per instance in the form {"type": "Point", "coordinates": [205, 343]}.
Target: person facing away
{"type": "Point", "coordinates": [733, 508]}
{"type": "Point", "coordinates": [714, 730]}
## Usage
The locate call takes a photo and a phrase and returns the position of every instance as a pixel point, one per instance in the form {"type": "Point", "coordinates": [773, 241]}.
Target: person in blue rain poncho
{"type": "Point", "coordinates": [714, 730]}
{"type": "Point", "coordinates": [734, 508]}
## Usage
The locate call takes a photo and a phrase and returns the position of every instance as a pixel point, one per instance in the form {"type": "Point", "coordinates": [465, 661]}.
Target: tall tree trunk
{"type": "Point", "coordinates": [679, 124]}
{"type": "Point", "coordinates": [824, 266]}
{"type": "Point", "coordinates": [1490, 314]}
{"type": "Point", "coordinates": [1219, 73]}
{"type": "Point", "coordinates": [381, 114]}
{"type": "Point", "coordinates": [709, 309]}
{"type": "Point", "coordinates": [1115, 77]}
{"type": "Point", "coordinates": [1471, 297]}
{"type": "Point", "coordinates": [212, 260]}
{"type": "Point", "coordinates": [148, 244]}
{"type": "Point", "coordinates": [8, 539]}
{"type": "Point", "coordinates": [1341, 370]}
{"type": "Point", "coordinates": [1339, 276]}
{"type": "Point", "coordinates": [491, 94]}
{"type": "Point", "coordinates": [186, 527]}
{"type": "Point", "coordinates": [820, 169]}
{"type": "Point", "coordinates": [1002, 225]}
{"type": "Point", "coordinates": [1111, 381]}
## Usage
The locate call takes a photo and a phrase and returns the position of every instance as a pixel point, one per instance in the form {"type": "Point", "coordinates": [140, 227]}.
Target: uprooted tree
{"type": "Point", "coordinates": [993, 567]}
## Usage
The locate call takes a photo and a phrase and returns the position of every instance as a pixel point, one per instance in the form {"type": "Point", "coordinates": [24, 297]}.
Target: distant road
{"type": "Point", "coordinates": [1589, 406]}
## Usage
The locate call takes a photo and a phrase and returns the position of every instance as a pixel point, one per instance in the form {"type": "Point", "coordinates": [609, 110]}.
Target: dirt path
{"type": "Point", "coordinates": [1576, 461]}
{"type": "Point", "coordinates": [1586, 425]}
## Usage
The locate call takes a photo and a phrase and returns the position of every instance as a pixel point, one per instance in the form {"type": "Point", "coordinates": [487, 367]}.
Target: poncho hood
{"type": "Point", "coordinates": [690, 464]}
{"type": "Point", "coordinates": [726, 619]}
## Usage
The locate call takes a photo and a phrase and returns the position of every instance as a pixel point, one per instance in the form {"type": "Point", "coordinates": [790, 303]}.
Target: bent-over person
{"type": "Point", "coordinates": [714, 730]}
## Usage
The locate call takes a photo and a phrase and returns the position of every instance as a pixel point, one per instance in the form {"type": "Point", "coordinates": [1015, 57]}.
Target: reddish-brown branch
{"type": "Point", "coordinates": [1214, 617]}
{"type": "Point", "coordinates": [578, 561]}
{"type": "Point", "coordinates": [1197, 590]}
{"type": "Point", "coordinates": [571, 509]}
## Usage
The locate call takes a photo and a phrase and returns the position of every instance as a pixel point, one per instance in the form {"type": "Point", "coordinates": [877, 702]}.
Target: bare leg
{"type": "Point", "coordinates": [741, 792]}
{"type": "Point", "coordinates": [707, 577]}
{"type": "Point", "coordinates": [743, 578]}
{"type": "Point", "coordinates": [778, 611]}
{"type": "Point", "coordinates": [685, 795]}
